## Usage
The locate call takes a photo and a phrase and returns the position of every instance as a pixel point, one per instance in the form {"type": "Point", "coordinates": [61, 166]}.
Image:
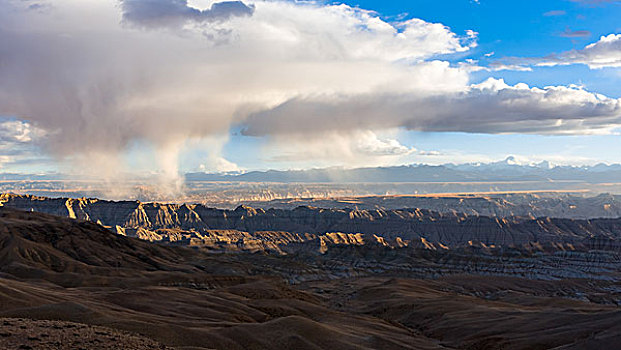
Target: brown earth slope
{"type": "Point", "coordinates": [60, 269]}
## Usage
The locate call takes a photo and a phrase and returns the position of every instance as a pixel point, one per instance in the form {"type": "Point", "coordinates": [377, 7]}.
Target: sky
{"type": "Point", "coordinates": [110, 87]}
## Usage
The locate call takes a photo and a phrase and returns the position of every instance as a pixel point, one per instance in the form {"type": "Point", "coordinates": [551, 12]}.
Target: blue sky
{"type": "Point", "coordinates": [525, 28]}
{"type": "Point", "coordinates": [166, 86]}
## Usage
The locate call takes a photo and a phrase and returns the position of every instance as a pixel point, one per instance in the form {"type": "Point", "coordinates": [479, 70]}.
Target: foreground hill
{"type": "Point", "coordinates": [106, 286]}
{"type": "Point", "coordinates": [67, 251]}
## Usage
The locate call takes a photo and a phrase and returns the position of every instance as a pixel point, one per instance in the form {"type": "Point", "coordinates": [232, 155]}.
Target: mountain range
{"type": "Point", "coordinates": [506, 170]}
{"type": "Point", "coordinates": [509, 169]}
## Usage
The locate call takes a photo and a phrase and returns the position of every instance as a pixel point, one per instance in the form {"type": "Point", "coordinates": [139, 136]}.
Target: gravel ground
{"type": "Point", "coordinates": [24, 334]}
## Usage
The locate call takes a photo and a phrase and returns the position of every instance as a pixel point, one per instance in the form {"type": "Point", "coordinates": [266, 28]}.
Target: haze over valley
{"type": "Point", "coordinates": [227, 190]}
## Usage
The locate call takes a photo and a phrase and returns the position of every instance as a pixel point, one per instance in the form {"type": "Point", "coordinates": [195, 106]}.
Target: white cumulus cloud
{"type": "Point", "coordinates": [604, 53]}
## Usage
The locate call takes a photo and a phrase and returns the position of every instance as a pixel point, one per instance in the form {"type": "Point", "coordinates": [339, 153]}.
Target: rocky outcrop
{"type": "Point", "coordinates": [282, 231]}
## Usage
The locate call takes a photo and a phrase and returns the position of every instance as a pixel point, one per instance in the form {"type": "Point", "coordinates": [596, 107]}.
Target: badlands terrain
{"type": "Point", "coordinates": [473, 272]}
{"type": "Point", "coordinates": [535, 204]}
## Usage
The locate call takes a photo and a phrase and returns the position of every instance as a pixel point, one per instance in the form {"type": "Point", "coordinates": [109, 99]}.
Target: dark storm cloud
{"type": "Point", "coordinates": [162, 13]}
{"type": "Point", "coordinates": [490, 107]}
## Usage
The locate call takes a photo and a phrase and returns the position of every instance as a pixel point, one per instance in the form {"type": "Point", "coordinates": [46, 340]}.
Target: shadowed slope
{"type": "Point", "coordinates": [77, 271]}
{"type": "Point", "coordinates": [44, 245]}
{"type": "Point", "coordinates": [61, 269]}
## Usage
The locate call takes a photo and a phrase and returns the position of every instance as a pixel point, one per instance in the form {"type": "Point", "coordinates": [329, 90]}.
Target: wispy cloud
{"type": "Point", "coordinates": [498, 66]}
{"type": "Point", "coordinates": [568, 33]}
{"type": "Point", "coordinates": [596, 2]}
{"type": "Point", "coordinates": [555, 13]}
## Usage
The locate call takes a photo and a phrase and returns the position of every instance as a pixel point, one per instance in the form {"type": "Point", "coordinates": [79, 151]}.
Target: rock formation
{"type": "Point", "coordinates": [314, 229]}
